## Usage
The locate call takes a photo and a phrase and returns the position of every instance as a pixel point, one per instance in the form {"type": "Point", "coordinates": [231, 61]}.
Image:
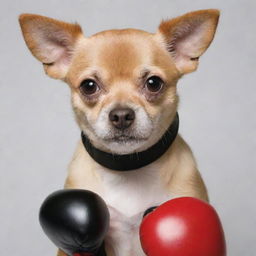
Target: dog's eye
{"type": "Point", "coordinates": [89, 87]}
{"type": "Point", "coordinates": [154, 84]}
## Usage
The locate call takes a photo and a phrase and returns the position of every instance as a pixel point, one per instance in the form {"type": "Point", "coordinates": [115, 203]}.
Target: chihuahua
{"type": "Point", "coordinates": [123, 92]}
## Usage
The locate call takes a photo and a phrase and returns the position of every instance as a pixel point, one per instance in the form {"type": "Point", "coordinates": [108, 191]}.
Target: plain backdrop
{"type": "Point", "coordinates": [38, 133]}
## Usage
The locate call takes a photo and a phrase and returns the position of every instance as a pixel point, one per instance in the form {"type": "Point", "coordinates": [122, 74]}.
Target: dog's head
{"type": "Point", "coordinates": [123, 82]}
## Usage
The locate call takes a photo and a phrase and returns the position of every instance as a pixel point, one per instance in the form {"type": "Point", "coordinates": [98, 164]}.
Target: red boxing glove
{"type": "Point", "coordinates": [183, 227]}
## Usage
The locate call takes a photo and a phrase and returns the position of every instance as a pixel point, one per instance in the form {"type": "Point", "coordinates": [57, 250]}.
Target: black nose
{"type": "Point", "coordinates": [121, 118]}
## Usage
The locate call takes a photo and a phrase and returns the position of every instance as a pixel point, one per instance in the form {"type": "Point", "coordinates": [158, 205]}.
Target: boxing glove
{"type": "Point", "coordinates": [76, 221]}
{"type": "Point", "coordinates": [182, 227]}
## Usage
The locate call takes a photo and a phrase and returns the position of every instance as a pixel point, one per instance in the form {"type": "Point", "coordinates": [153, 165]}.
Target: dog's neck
{"type": "Point", "coordinates": [136, 160]}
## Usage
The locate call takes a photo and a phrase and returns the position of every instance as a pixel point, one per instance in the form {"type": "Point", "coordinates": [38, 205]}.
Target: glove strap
{"type": "Point", "coordinates": [101, 252]}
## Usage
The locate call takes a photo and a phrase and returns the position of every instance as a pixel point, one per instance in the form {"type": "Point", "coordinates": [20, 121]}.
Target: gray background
{"type": "Point", "coordinates": [38, 133]}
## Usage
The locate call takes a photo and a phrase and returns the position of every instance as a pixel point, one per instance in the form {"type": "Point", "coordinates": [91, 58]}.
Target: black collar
{"type": "Point", "coordinates": [136, 160]}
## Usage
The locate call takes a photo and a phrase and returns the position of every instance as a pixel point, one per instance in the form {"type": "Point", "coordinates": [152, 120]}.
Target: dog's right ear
{"type": "Point", "coordinates": [51, 41]}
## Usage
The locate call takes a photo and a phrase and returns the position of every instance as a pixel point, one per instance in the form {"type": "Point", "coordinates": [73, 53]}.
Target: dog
{"type": "Point", "coordinates": [123, 92]}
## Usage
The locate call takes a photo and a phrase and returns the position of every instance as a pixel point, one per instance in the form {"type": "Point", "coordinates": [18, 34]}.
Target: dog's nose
{"type": "Point", "coordinates": [121, 118]}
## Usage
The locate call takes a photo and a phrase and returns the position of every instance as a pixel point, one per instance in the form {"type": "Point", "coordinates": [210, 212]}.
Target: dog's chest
{"type": "Point", "coordinates": [132, 192]}
{"type": "Point", "coordinates": [128, 195]}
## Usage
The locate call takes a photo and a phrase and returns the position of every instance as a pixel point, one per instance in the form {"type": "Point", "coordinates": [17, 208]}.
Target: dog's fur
{"type": "Point", "coordinates": [120, 61]}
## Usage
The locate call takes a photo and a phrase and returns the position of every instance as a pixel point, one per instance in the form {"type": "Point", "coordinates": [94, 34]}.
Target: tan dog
{"type": "Point", "coordinates": [123, 87]}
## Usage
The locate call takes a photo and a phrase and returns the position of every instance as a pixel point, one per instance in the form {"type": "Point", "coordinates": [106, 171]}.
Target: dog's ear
{"type": "Point", "coordinates": [187, 37]}
{"type": "Point", "coordinates": [51, 41]}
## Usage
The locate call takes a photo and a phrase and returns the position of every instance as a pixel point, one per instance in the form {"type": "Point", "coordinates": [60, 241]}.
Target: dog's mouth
{"type": "Point", "coordinates": [124, 139]}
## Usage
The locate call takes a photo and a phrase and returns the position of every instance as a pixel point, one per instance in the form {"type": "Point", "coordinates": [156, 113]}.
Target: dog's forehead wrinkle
{"type": "Point", "coordinates": [121, 57]}
{"type": "Point", "coordinates": [120, 49]}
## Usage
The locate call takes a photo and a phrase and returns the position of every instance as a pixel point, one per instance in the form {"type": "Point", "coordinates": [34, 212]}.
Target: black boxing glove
{"type": "Point", "coordinates": [76, 221]}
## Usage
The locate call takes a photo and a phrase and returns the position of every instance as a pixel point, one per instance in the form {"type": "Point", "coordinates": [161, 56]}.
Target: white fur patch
{"type": "Point", "coordinates": [128, 195]}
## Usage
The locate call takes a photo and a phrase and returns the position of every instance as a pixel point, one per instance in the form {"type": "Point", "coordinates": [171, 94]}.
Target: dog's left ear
{"type": "Point", "coordinates": [187, 37]}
